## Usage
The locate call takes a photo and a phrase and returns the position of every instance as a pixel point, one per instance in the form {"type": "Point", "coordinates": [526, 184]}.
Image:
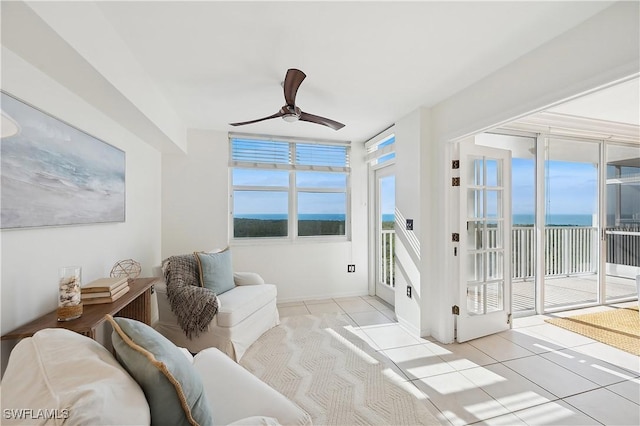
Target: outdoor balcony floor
{"type": "Point", "coordinates": [573, 290]}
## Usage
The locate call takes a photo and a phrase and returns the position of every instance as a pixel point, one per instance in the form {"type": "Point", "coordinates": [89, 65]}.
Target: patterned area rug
{"type": "Point", "coordinates": [317, 362]}
{"type": "Point", "coordinates": [618, 327]}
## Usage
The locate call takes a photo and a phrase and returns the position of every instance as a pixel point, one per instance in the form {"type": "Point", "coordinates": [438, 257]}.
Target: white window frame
{"type": "Point", "coordinates": [292, 190]}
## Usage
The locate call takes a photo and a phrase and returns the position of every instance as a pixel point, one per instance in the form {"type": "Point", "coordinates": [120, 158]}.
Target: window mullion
{"type": "Point", "coordinates": [293, 195]}
{"type": "Point", "coordinates": [260, 188]}
{"type": "Point", "coordinates": [322, 189]}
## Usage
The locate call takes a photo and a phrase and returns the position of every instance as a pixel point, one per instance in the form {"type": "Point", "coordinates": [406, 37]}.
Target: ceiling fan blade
{"type": "Point", "coordinates": [276, 115]}
{"type": "Point", "coordinates": [320, 120]}
{"type": "Point", "coordinates": [292, 81]}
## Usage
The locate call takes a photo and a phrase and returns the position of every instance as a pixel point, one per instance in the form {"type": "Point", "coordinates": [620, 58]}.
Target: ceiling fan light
{"type": "Point", "coordinates": [290, 118]}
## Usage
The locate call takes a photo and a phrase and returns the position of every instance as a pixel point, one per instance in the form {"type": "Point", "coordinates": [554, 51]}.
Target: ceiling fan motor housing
{"type": "Point", "coordinates": [290, 113]}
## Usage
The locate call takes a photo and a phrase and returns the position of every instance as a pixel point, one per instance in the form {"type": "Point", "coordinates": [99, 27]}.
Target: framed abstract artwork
{"type": "Point", "coordinates": [53, 174]}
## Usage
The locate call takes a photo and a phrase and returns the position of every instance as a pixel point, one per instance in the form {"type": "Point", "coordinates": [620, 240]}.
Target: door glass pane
{"type": "Point", "coordinates": [494, 297]}
{"type": "Point", "coordinates": [475, 264]}
{"type": "Point", "coordinates": [495, 266]}
{"type": "Point", "coordinates": [494, 234]}
{"type": "Point", "coordinates": [474, 234]}
{"type": "Point", "coordinates": [475, 174]}
{"type": "Point", "coordinates": [485, 298]}
{"type": "Point", "coordinates": [623, 221]}
{"type": "Point", "coordinates": [493, 173]}
{"type": "Point", "coordinates": [475, 203]}
{"type": "Point", "coordinates": [494, 204]}
{"type": "Point", "coordinates": [475, 297]}
{"type": "Point", "coordinates": [387, 239]}
{"type": "Point", "coordinates": [571, 223]}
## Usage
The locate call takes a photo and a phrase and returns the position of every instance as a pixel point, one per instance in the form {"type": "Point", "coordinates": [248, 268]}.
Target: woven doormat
{"type": "Point", "coordinates": [619, 328]}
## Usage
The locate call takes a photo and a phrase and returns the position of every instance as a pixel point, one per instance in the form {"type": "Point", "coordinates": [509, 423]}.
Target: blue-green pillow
{"type": "Point", "coordinates": [216, 271]}
{"type": "Point", "coordinates": [173, 389]}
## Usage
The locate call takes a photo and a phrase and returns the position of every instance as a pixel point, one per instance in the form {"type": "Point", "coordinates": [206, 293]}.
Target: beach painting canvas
{"type": "Point", "coordinates": [52, 174]}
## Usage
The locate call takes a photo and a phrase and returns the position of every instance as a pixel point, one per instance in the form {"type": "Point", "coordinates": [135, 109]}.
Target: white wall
{"type": "Point", "coordinates": [409, 132]}
{"type": "Point", "coordinates": [31, 257]}
{"type": "Point", "coordinates": [195, 216]}
{"type": "Point", "coordinates": [195, 191]}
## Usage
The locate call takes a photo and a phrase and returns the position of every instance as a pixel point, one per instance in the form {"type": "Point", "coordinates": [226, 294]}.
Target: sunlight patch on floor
{"type": "Point", "coordinates": [612, 372]}
{"type": "Point", "coordinates": [523, 399]}
{"type": "Point", "coordinates": [362, 354]}
{"type": "Point", "coordinates": [547, 414]}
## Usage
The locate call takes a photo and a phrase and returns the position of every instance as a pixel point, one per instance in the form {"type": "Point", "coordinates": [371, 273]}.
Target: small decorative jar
{"type": "Point", "coordinates": [69, 297]}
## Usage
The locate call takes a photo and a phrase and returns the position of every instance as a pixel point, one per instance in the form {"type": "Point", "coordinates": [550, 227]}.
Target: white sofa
{"type": "Point", "coordinates": [58, 376]}
{"type": "Point", "coordinates": [244, 314]}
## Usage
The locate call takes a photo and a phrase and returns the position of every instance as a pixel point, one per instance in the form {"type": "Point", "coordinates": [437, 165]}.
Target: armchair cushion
{"type": "Point", "coordinates": [216, 271]}
{"type": "Point", "coordinates": [247, 278]}
{"type": "Point", "coordinates": [243, 301]}
{"type": "Point", "coordinates": [173, 389]}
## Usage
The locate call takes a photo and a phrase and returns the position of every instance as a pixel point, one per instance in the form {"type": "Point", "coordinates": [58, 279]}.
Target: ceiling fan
{"type": "Point", "coordinates": [290, 112]}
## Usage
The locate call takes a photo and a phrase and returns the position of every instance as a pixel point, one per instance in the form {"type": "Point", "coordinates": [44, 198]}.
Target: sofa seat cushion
{"type": "Point", "coordinates": [237, 396]}
{"type": "Point", "coordinates": [63, 375]}
{"type": "Point", "coordinates": [239, 303]}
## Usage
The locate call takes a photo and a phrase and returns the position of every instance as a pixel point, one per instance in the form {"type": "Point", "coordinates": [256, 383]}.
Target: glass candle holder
{"type": "Point", "coordinates": [69, 297]}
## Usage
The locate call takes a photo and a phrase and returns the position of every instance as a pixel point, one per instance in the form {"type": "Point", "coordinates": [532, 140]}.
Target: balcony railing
{"type": "Point", "coordinates": [569, 250]}
{"type": "Point", "coordinates": [388, 261]}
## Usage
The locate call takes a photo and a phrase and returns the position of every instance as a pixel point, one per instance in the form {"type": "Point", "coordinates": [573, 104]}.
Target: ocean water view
{"type": "Point", "coordinates": [518, 219]}
{"type": "Point", "coordinates": [555, 219]}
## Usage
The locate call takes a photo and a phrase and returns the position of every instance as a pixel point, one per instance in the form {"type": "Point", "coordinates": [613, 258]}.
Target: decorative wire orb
{"type": "Point", "coordinates": [126, 268]}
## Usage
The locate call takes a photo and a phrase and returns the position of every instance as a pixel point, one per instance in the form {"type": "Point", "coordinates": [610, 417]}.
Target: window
{"type": "Point", "coordinates": [288, 188]}
{"type": "Point", "coordinates": [382, 151]}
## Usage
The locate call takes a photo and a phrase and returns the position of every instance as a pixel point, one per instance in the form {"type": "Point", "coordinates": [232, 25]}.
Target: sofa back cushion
{"type": "Point", "coordinates": [59, 374]}
{"type": "Point", "coordinates": [174, 390]}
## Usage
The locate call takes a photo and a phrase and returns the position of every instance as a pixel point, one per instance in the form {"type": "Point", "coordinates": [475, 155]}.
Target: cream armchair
{"type": "Point", "coordinates": [244, 313]}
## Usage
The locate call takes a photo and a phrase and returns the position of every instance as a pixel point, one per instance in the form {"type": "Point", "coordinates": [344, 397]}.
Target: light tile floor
{"type": "Point", "coordinates": [533, 374]}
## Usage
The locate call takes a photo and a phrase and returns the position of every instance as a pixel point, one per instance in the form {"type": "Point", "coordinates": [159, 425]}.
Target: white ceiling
{"type": "Point", "coordinates": [367, 63]}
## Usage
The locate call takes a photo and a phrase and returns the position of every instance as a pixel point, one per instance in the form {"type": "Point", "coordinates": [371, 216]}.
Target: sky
{"type": "Point", "coordinates": [571, 188]}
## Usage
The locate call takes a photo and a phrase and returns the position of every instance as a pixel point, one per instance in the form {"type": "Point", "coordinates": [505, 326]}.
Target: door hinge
{"type": "Point", "coordinates": [509, 319]}
{"type": "Point", "coordinates": [455, 164]}
{"type": "Point", "coordinates": [455, 181]}
{"type": "Point", "coordinates": [455, 310]}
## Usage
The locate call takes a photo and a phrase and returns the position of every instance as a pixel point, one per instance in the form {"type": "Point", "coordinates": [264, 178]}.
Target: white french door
{"type": "Point", "coordinates": [484, 305]}
{"type": "Point", "coordinates": [385, 181]}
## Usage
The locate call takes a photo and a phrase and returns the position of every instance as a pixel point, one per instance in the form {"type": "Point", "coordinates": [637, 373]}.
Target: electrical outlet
{"type": "Point", "coordinates": [409, 224]}
{"type": "Point", "coordinates": [409, 291]}
{"type": "Point", "coordinates": [351, 268]}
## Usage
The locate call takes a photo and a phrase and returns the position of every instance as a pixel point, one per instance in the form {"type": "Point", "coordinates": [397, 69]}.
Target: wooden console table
{"type": "Point", "coordinates": [135, 304]}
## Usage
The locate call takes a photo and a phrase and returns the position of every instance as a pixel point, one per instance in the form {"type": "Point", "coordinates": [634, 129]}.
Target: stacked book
{"type": "Point", "coordinates": [104, 290]}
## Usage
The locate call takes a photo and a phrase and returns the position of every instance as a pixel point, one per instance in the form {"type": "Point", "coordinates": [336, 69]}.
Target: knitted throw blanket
{"type": "Point", "coordinates": [194, 306]}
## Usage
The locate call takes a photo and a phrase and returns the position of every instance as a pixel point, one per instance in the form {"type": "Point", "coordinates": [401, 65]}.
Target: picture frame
{"type": "Point", "coordinates": [54, 174]}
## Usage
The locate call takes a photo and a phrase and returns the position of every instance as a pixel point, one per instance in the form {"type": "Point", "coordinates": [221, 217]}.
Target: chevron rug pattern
{"type": "Point", "coordinates": [320, 364]}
